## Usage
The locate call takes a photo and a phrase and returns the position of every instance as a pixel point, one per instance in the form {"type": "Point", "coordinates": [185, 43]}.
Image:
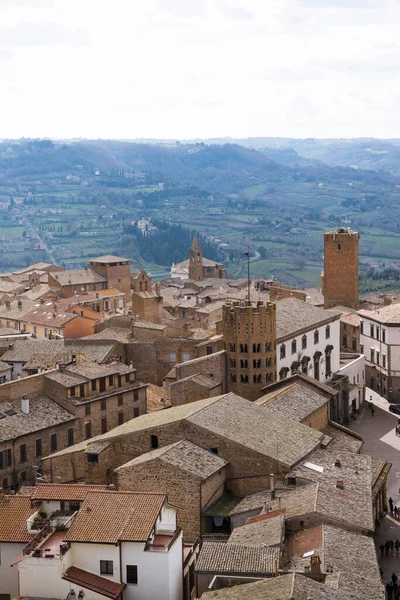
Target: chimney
{"type": "Point", "coordinates": [272, 482]}
{"type": "Point", "coordinates": [25, 405]}
{"type": "Point", "coordinates": [340, 484]}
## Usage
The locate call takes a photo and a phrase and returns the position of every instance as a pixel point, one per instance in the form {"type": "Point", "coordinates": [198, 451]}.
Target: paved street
{"type": "Point", "coordinates": [381, 441]}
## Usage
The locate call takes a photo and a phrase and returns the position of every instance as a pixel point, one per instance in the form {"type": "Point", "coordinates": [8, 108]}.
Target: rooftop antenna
{"type": "Point", "coordinates": [248, 273]}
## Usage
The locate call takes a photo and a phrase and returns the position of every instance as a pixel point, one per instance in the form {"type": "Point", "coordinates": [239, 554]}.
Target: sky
{"type": "Point", "coordinates": [186, 69]}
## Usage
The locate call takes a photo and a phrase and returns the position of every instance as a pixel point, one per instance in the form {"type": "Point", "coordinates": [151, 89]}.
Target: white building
{"type": "Point", "coordinates": [380, 342]}
{"type": "Point", "coordinates": [97, 542]}
{"type": "Point", "coordinates": [353, 365]}
{"type": "Point", "coordinates": [308, 340]}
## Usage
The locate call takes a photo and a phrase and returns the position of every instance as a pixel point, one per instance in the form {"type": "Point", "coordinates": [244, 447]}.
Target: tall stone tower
{"type": "Point", "coordinates": [117, 272]}
{"type": "Point", "coordinates": [340, 279]}
{"type": "Point", "coordinates": [249, 334]}
{"type": "Point", "coordinates": [195, 261]}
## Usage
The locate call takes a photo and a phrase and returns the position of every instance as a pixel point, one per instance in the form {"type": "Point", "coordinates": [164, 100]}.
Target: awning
{"type": "Point", "coordinates": [95, 583]}
{"type": "Point", "coordinates": [221, 507]}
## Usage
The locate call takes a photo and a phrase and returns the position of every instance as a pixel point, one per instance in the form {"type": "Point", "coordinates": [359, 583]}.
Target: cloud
{"type": "Point", "coordinates": [42, 34]}
{"type": "Point", "coordinates": [234, 12]}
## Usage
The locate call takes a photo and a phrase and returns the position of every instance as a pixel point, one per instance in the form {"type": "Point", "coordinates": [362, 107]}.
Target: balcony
{"type": "Point", "coordinates": [162, 542]}
{"type": "Point", "coordinates": [49, 541]}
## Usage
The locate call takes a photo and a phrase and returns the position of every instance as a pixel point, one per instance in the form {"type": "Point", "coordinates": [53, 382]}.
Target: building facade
{"type": "Point", "coordinates": [340, 278]}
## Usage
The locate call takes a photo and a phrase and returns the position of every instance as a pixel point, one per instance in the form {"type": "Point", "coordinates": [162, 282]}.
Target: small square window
{"type": "Point", "coordinates": [106, 567]}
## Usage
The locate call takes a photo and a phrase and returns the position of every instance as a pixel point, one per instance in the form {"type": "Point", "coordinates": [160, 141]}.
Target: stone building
{"type": "Point", "coordinates": [191, 476]}
{"type": "Point", "coordinates": [340, 276]}
{"type": "Point", "coordinates": [147, 302]}
{"type": "Point", "coordinates": [197, 267]}
{"type": "Point", "coordinates": [115, 270]}
{"type": "Point", "coordinates": [249, 334]}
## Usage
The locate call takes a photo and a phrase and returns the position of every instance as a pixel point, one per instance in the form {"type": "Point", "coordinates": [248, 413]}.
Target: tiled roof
{"type": "Point", "coordinates": [117, 334]}
{"type": "Point", "coordinates": [107, 258]}
{"type": "Point", "coordinates": [296, 402]}
{"type": "Point", "coordinates": [43, 413]}
{"type": "Point", "coordinates": [4, 366]}
{"type": "Point", "coordinates": [17, 309]}
{"type": "Point", "coordinates": [342, 439]}
{"type": "Point", "coordinates": [184, 455]}
{"type": "Point", "coordinates": [52, 316]}
{"type": "Point", "coordinates": [386, 314]}
{"type": "Point", "coordinates": [14, 512]}
{"type": "Point", "coordinates": [269, 531]}
{"type": "Point", "coordinates": [110, 517]}
{"type": "Point", "coordinates": [77, 277]}
{"type": "Point", "coordinates": [285, 587]}
{"type": "Point", "coordinates": [24, 350]}
{"type": "Point", "coordinates": [95, 583]}
{"type": "Point", "coordinates": [237, 559]}
{"type": "Point", "coordinates": [293, 315]}
{"type": "Point", "coordinates": [87, 370]}
{"type": "Point", "coordinates": [68, 491]}
{"type": "Point", "coordinates": [156, 398]}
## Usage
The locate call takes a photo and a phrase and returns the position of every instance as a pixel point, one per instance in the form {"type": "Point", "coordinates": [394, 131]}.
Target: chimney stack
{"type": "Point", "coordinates": [272, 482]}
{"type": "Point", "coordinates": [25, 405]}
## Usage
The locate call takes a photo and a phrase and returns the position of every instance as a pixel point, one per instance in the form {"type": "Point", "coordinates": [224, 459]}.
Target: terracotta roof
{"type": "Point", "coordinates": [14, 512]}
{"type": "Point", "coordinates": [238, 559]}
{"type": "Point", "coordinates": [156, 398]}
{"type": "Point", "coordinates": [69, 491]}
{"type": "Point", "coordinates": [110, 517]}
{"type": "Point", "coordinates": [95, 583]}
{"type": "Point", "coordinates": [107, 258]}
{"type": "Point", "coordinates": [184, 455]}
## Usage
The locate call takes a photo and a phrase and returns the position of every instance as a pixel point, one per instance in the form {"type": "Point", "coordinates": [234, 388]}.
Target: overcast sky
{"type": "Point", "coordinates": [199, 68]}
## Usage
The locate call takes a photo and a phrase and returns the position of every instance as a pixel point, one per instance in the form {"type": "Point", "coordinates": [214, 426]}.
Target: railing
{"type": "Point", "coordinates": [38, 538]}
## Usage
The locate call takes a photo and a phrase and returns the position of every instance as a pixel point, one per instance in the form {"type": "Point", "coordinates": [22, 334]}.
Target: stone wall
{"type": "Point", "coordinates": [319, 418]}
{"type": "Point", "coordinates": [341, 268]}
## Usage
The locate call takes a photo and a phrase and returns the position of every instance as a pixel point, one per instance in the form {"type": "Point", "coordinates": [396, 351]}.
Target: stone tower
{"type": "Point", "coordinates": [195, 261]}
{"type": "Point", "coordinates": [249, 334]}
{"type": "Point", "coordinates": [117, 272]}
{"type": "Point", "coordinates": [340, 279]}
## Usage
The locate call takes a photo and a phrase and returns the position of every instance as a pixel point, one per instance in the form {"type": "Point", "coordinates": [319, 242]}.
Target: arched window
{"type": "Point", "coordinates": [328, 361]}
{"type": "Point", "coordinates": [316, 357]}
{"type": "Point", "coordinates": [283, 373]}
{"type": "Point", "coordinates": [327, 332]}
{"type": "Point", "coordinates": [304, 364]}
{"type": "Point", "coordinates": [304, 342]}
{"type": "Point", "coordinates": [283, 351]}
{"type": "Point", "coordinates": [294, 367]}
{"type": "Point", "coordinates": [294, 346]}
{"type": "Point", "coordinates": [316, 337]}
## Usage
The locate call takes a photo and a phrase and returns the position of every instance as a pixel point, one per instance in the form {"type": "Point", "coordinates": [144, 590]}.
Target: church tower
{"type": "Point", "coordinates": [195, 261]}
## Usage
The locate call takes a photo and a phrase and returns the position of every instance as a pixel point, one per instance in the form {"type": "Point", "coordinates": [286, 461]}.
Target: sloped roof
{"type": "Point", "coordinates": [237, 559]}
{"type": "Point", "coordinates": [293, 315]}
{"type": "Point", "coordinates": [269, 530]}
{"type": "Point", "coordinates": [110, 517]}
{"type": "Point", "coordinates": [184, 455]}
{"type": "Point", "coordinates": [14, 512]}
{"type": "Point", "coordinates": [43, 413]}
{"type": "Point", "coordinates": [109, 258]}
{"type": "Point", "coordinates": [297, 402]}
{"type": "Point", "coordinates": [67, 491]}
{"type": "Point", "coordinates": [78, 276]}
{"type": "Point", "coordinates": [95, 583]}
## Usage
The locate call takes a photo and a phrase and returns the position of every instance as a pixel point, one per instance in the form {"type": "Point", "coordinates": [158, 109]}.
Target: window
{"type": "Point", "coordinates": [232, 347]}
{"type": "Point", "coordinates": [257, 363]}
{"type": "Point", "coordinates": [154, 441]}
{"type": "Point", "coordinates": [377, 358]}
{"type": "Point", "coordinates": [362, 348]}
{"type": "Point", "coordinates": [102, 384]}
{"type": "Point", "coordinates": [384, 335]}
{"type": "Point", "coordinates": [172, 357]}
{"type": "Point", "coordinates": [316, 337]}
{"type": "Point", "coordinates": [92, 458]}
{"type": "Point", "coordinates": [88, 410]}
{"type": "Point", "coordinates": [16, 326]}
{"type": "Point", "coordinates": [233, 363]}
{"type": "Point", "coordinates": [304, 342]}
{"type": "Point", "coordinates": [121, 400]}
{"type": "Point", "coordinates": [39, 449]}
{"type": "Point", "coordinates": [372, 355]}
{"type": "Point", "coordinates": [244, 379]}
{"type": "Point", "coordinates": [328, 362]}
{"type": "Point", "coordinates": [372, 331]}
{"type": "Point", "coordinates": [94, 385]}
{"type": "Point", "coordinates": [361, 326]}
{"type": "Point", "coordinates": [8, 325]}
{"type": "Point", "coordinates": [283, 372]}
{"type": "Point", "coordinates": [256, 347]}
{"type": "Point", "coordinates": [120, 417]}
{"type": "Point", "coordinates": [72, 392]}
{"type": "Point", "coordinates": [338, 246]}
{"type": "Point", "coordinates": [53, 442]}
{"type": "Point", "coordinates": [268, 347]}
{"type": "Point", "coordinates": [5, 459]}
{"type": "Point", "coordinates": [119, 382]}
{"type": "Point", "coordinates": [88, 430]}
{"type": "Point", "coordinates": [22, 453]}
{"type": "Point", "coordinates": [209, 350]}
{"type": "Point", "coordinates": [23, 476]}
{"type": "Point", "coordinates": [327, 332]}
{"type": "Point", "coordinates": [283, 351]}
{"type": "Point", "coordinates": [256, 378]}
{"type": "Point", "coordinates": [243, 364]}
{"type": "Point", "coordinates": [104, 425]}
{"type": "Point", "coordinates": [135, 395]}
{"type": "Point", "coordinates": [5, 483]}
{"type": "Point", "coordinates": [354, 344]}
{"type": "Point", "coordinates": [294, 346]}
{"type": "Point", "coordinates": [384, 361]}
{"type": "Point", "coordinates": [345, 341]}
{"type": "Point", "coordinates": [233, 377]}
{"type": "Point", "coordinates": [267, 362]}
{"type": "Point", "coordinates": [103, 404]}
{"type": "Point", "coordinates": [82, 391]}
{"type": "Point", "coordinates": [127, 378]}
{"type": "Point", "coordinates": [268, 377]}
{"type": "Point", "coordinates": [186, 356]}
{"type": "Point", "coordinates": [70, 437]}
{"type": "Point", "coordinates": [214, 451]}
{"type": "Point", "coordinates": [106, 567]}
{"type": "Point", "coordinates": [243, 348]}
{"type": "Point", "coordinates": [111, 380]}
{"type": "Point", "coordinates": [131, 574]}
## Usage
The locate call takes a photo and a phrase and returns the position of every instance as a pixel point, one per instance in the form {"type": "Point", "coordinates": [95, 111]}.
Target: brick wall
{"type": "Point", "coordinates": [319, 418]}
{"type": "Point", "coordinates": [32, 386]}
{"type": "Point", "coordinates": [341, 269]}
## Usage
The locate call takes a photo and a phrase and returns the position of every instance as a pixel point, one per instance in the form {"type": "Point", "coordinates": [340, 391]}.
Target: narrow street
{"type": "Point", "coordinates": [380, 441]}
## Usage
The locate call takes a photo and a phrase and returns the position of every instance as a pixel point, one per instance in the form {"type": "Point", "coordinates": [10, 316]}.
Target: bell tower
{"type": "Point", "coordinates": [195, 261]}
